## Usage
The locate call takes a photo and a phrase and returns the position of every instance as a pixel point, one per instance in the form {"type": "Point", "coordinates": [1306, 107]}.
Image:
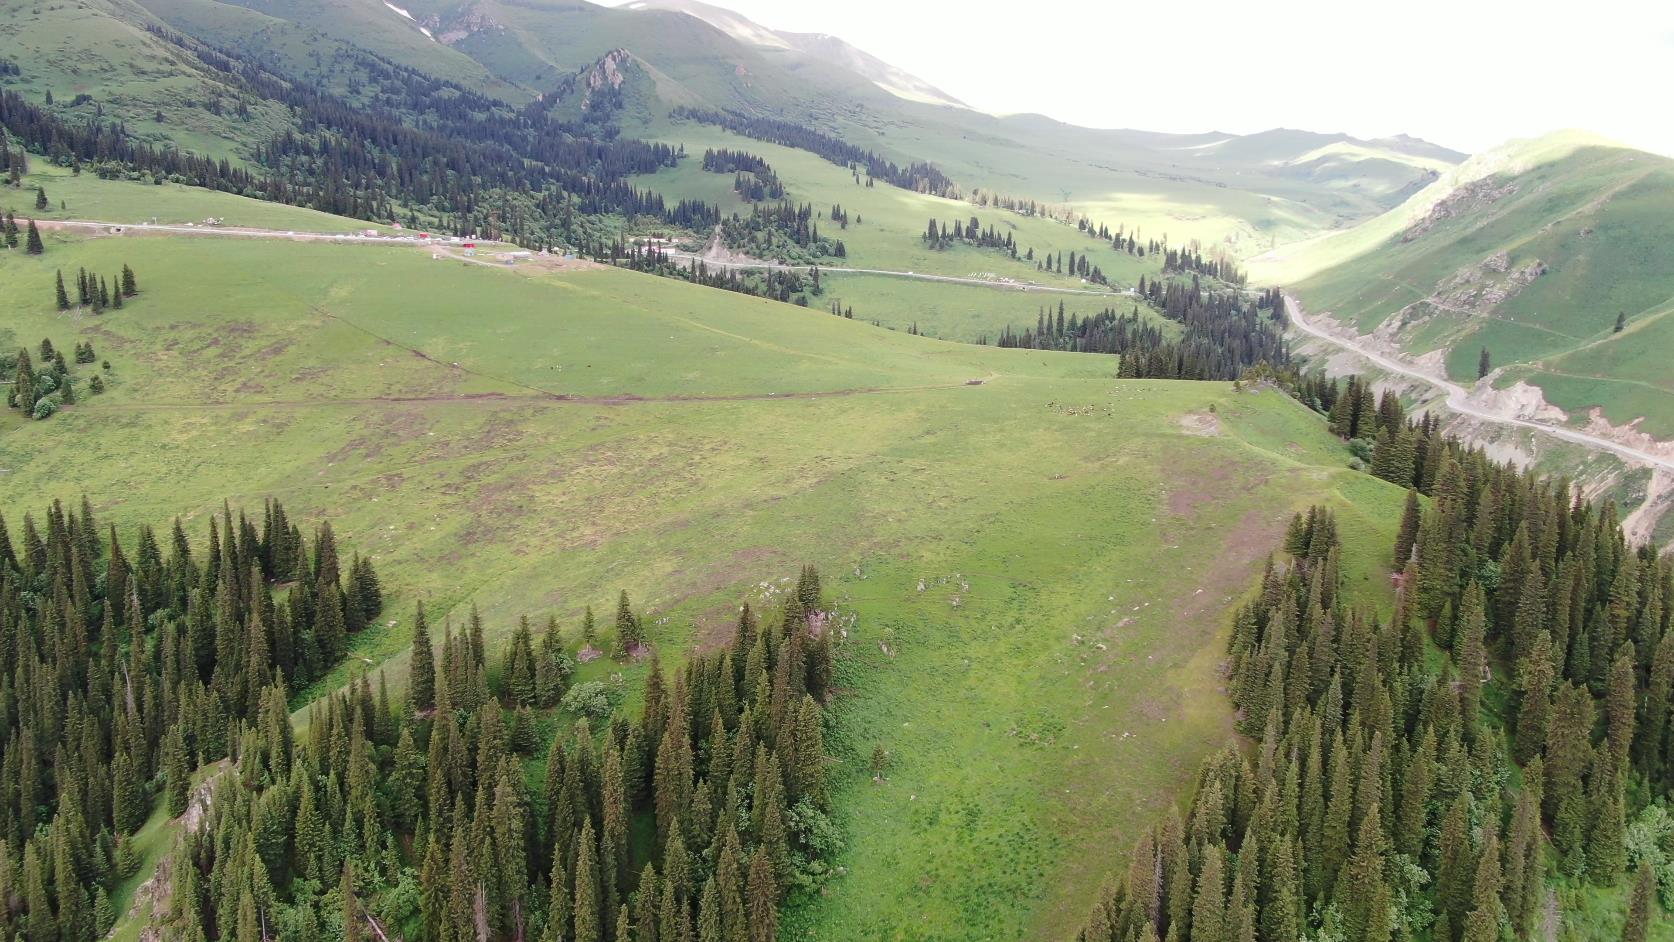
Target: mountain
{"type": "Point", "coordinates": [821, 46]}
{"type": "Point", "coordinates": [1553, 255]}
{"type": "Point", "coordinates": [1245, 193]}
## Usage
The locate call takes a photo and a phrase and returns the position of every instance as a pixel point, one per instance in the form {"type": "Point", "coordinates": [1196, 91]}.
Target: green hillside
{"type": "Point", "coordinates": [96, 57]}
{"type": "Point", "coordinates": [1532, 252]}
{"type": "Point", "coordinates": [1247, 193]}
{"type": "Point", "coordinates": [511, 439]}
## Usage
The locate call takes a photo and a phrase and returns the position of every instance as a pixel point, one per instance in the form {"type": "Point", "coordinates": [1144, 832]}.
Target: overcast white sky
{"type": "Point", "coordinates": [1468, 74]}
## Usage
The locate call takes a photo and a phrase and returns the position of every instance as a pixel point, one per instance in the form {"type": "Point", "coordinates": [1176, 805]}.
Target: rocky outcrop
{"type": "Point", "coordinates": [156, 893]}
{"type": "Point", "coordinates": [1469, 198]}
{"type": "Point", "coordinates": [472, 20]}
{"type": "Point", "coordinates": [607, 74]}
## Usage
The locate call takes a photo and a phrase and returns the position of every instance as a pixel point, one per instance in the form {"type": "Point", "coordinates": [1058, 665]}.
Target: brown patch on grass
{"type": "Point", "coordinates": [1200, 423]}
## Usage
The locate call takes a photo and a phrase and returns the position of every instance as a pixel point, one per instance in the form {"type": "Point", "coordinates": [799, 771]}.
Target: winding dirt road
{"type": "Point", "coordinates": [1458, 398]}
{"type": "Point", "coordinates": [708, 258]}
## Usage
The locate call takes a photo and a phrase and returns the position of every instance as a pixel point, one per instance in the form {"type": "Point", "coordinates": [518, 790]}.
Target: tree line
{"type": "Point", "coordinates": [1386, 797]}
{"type": "Point", "coordinates": [753, 177]}
{"type": "Point", "coordinates": [1224, 334]}
{"type": "Point", "coordinates": [790, 286]}
{"type": "Point", "coordinates": [920, 177]}
{"type": "Point", "coordinates": [127, 666]}
{"type": "Point", "coordinates": [131, 672]}
{"type": "Point", "coordinates": [417, 816]}
{"type": "Point", "coordinates": [783, 231]}
{"type": "Point", "coordinates": [427, 151]}
{"type": "Point", "coordinates": [93, 291]}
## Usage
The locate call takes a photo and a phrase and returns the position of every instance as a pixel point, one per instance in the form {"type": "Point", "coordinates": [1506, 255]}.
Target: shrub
{"type": "Point", "coordinates": [593, 699]}
{"type": "Point", "coordinates": [44, 408]}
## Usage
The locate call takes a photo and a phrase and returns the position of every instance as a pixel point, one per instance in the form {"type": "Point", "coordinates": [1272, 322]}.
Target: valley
{"type": "Point", "coordinates": [549, 472]}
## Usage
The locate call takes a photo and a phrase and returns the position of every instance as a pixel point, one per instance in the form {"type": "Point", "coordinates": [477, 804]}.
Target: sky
{"type": "Point", "coordinates": [1467, 74]}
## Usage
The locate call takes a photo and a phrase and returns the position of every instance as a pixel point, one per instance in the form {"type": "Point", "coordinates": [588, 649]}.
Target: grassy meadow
{"type": "Point", "coordinates": [533, 442]}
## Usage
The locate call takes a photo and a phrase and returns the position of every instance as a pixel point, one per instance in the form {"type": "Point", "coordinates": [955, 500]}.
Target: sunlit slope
{"type": "Point", "coordinates": [1078, 540]}
{"type": "Point", "coordinates": [1533, 253]}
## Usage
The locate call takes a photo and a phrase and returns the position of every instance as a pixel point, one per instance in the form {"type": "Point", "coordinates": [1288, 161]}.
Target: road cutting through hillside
{"type": "Point", "coordinates": [1458, 398]}
{"type": "Point", "coordinates": [250, 232]}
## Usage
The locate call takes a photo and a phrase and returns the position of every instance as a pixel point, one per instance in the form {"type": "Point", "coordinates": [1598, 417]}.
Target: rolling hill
{"type": "Point", "coordinates": [1245, 192]}
{"type": "Point", "coordinates": [508, 439]}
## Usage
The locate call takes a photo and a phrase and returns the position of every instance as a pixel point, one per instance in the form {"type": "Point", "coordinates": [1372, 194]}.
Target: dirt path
{"type": "Point", "coordinates": [1457, 397]}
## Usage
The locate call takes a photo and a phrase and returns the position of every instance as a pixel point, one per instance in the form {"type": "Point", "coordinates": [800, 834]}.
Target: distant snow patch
{"type": "Point", "coordinates": [1206, 146]}
{"type": "Point", "coordinates": [409, 17]}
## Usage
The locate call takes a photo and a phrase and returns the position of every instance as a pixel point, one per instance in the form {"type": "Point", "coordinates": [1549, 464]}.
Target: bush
{"type": "Point", "coordinates": [96, 385]}
{"type": "Point", "coordinates": [44, 408]}
{"type": "Point", "coordinates": [592, 699]}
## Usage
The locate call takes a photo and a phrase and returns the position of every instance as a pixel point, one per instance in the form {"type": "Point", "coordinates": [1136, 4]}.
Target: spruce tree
{"type": "Point", "coordinates": [1641, 903]}
{"type": "Point", "coordinates": [586, 908]}
{"type": "Point", "coordinates": [32, 242]}
{"type": "Point", "coordinates": [63, 296]}
{"type": "Point", "coordinates": [422, 682]}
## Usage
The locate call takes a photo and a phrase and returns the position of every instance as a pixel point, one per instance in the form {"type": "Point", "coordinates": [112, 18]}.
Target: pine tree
{"type": "Point", "coordinates": [1473, 656]}
{"type": "Point", "coordinates": [41, 198]}
{"type": "Point", "coordinates": [32, 242]}
{"type": "Point", "coordinates": [1484, 364]}
{"type": "Point", "coordinates": [1535, 675]}
{"type": "Point", "coordinates": [520, 666]}
{"type": "Point", "coordinates": [63, 296]}
{"type": "Point", "coordinates": [627, 628]}
{"type": "Point", "coordinates": [763, 892]}
{"type": "Point", "coordinates": [1408, 535]}
{"type": "Point", "coordinates": [422, 683]}
{"type": "Point", "coordinates": [1641, 902]}
{"type": "Point", "coordinates": [586, 908]}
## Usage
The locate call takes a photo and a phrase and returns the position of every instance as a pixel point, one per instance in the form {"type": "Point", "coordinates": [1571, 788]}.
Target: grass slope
{"type": "Point", "coordinates": [413, 402]}
{"type": "Point", "coordinates": [1600, 219]}
{"type": "Point", "coordinates": [101, 49]}
{"type": "Point", "coordinates": [83, 196]}
{"type": "Point", "coordinates": [889, 236]}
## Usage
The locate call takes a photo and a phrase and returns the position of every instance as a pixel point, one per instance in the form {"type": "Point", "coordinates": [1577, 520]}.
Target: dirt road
{"type": "Point", "coordinates": [1458, 398]}
{"type": "Point", "coordinates": [246, 232]}
{"type": "Point", "coordinates": [757, 265]}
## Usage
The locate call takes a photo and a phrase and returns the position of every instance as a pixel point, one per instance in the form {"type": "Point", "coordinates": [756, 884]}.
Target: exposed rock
{"type": "Point", "coordinates": [607, 73]}
{"type": "Point", "coordinates": [1468, 198]}
{"type": "Point", "coordinates": [158, 889]}
{"type": "Point", "coordinates": [472, 20]}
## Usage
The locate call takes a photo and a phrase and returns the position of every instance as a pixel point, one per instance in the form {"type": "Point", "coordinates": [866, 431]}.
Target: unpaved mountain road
{"type": "Point", "coordinates": [918, 276]}
{"type": "Point", "coordinates": [248, 232]}
{"type": "Point", "coordinates": [1458, 398]}
{"type": "Point", "coordinates": [236, 232]}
